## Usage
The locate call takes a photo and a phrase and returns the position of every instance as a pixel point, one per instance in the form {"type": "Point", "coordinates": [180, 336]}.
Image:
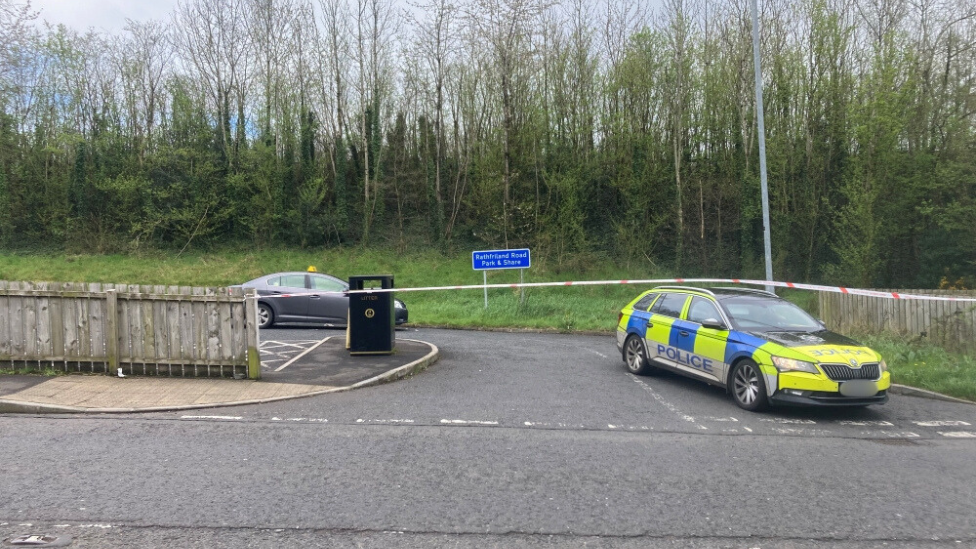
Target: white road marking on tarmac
{"type": "Point", "coordinates": [211, 417]}
{"type": "Point", "coordinates": [868, 423]}
{"type": "Point", "coordinates": [720, 419]}
{"type": "Point", "coordinates": [597, 353]}
{"type": "Point", "coordinates": [891, 434]}
{"type": "Point", "coordinates": [941, 423]}
{"type": "Point", "coordinates": [467, 422]}
{"type": "Point", "coordinates": [561, 425]}
{"type": "Point", "coordinates": [802, 431]}
{"type": "Point", "coordinates": [957, 434]}
{"type": "Point", "coordinates": [303, 353]}
{"type": "Point", "coordinates": [667, 404]}
{"type": "Point", "coordinates": [788, 421]}
{"type": "Point", "coordinates": [279, 344]}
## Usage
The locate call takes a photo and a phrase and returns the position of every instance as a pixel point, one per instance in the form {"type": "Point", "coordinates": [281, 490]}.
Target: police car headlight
{"type": "Point", "coordinates": [792, 365]}
{"type": "Point", "coordinates": [398, 304]}
{"type": "Point", "coordinates": [884, 366]}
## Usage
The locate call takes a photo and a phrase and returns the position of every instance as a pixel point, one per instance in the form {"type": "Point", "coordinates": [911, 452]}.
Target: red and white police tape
{"type": "Point", "coordinates": [795, 285]}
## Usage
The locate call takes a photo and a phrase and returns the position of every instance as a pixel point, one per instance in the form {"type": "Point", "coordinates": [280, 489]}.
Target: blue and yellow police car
{"type": "Point", "coordinates": [761, 348]}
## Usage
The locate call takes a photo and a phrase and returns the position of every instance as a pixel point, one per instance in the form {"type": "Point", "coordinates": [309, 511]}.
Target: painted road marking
{"type": "Point", "coordinates": [299, 345]}
{"type": "Point", "coordinates": [941, 423]}
{"type": "Point", "coordinates": [892, 434]}
{"type": "Point", "coordinates": [958, 434]}
{"type": "Point", "coordinates": [666, 404]}
{"type": "Point", "coordinates": [597, 353]}
{"type": "Point", "coordinates": [211, 417]}
{"type": "Point", "coordinates": [273, 352]}
{"type": "Point", "coordinates": [868, 423]}
{"type": "Point", "coordinates": [787, 421]}
{"type": "Point", "coordinates": [303, 353]}
{"type": "Point", "coordinates": [468, 422]}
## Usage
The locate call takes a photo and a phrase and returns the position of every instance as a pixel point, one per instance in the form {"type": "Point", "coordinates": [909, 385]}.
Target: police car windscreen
{"type": "Point", "coordinates": [766, 315]}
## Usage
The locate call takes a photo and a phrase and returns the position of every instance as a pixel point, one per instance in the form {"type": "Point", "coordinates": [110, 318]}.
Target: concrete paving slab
{"type": "Point", "coordinates": [326, 368]}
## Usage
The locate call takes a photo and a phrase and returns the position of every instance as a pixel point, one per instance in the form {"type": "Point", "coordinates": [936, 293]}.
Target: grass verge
{"type": "Point", "coordinates": [926, 366]}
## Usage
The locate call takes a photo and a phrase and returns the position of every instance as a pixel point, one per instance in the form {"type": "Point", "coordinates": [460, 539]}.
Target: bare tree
{"type": "Point", "coordinates": [506, 27]}
{"type": "Point", "coordinates": [678, 27]}
{"type": "Point", "coordinates": [212, 38]}
{"type": "Point", "coordinates": [376, 24]}
{"type": "Point", "coordinates": [437, 40]}
{"type": "Point", "coordinates": [271, 30]}
{"type": "Point", "coordinates": [143, 56]}
{"type": "Point", "coordinates": [15, 19]}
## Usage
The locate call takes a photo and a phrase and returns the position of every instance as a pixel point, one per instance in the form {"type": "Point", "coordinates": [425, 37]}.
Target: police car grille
{"type": "Point", "coordinates": [843, 372]}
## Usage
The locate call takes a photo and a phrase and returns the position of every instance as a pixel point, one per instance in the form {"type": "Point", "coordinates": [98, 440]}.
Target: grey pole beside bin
{"type": "Point", "coordinates": [371, 317]}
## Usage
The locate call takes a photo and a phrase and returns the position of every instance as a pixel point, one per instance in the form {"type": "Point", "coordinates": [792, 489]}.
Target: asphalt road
{"type": "Point", "coordinates": [525, 440]}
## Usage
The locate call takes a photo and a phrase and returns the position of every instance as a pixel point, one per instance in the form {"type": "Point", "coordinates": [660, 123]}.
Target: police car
{"type": "Point", "coordinates": [761, 348]}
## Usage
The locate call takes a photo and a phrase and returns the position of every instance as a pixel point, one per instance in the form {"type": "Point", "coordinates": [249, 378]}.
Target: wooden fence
{"type": "Point", "coordinates": [950, 324]}
{"type": "Point", "coordinates": [144, 330]}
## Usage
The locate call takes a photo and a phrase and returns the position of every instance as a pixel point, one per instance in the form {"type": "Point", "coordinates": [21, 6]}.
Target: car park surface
{"type": "Point", "coordinates": [763, 349]}
{"type": "Point", "coordinates": [510, 439]}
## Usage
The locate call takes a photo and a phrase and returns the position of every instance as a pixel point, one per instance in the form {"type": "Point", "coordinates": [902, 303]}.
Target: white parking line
{"type": "Point", "coordinates": [550, 425]}
{"type": "Point", "coordinates": [597, 353]}
{"type": "Point", "coordinates": [298, 344]}
{"type": "Point", "coordinates": [958, 434]}
{"type": "Point", "coordinates": [303, 353]}
{"type": "Point", "coordinates": [667, 404]}
{"type": "Point", "coordinates": [466, 422]}
{"type": "Point", "coordinates": [941, 423]}
{"type": "Point", "coordinates": [891, 434]}
{"type": "Point", "coordinates": [868, 423]}
{"type": "Point", "coordinates": [211, 417]}
{"type": "Point", "coordinates": [787, 421]}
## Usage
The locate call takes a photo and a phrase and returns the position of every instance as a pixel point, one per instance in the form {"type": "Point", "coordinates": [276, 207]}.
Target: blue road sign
{"type": "Point", "coordinates": [501, 259]}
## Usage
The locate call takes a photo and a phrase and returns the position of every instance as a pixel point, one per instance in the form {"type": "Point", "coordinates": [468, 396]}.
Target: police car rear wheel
{"type": "Point", "coordinates": [635, 357]}
{"type": "Point", "coordinates": [748, 387]}
{"type": "Point", "coordinates": [265, 316]}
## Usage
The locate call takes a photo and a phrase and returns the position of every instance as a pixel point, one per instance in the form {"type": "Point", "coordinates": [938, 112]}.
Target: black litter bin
{"type": "Point", "coordinates": [371, 316]}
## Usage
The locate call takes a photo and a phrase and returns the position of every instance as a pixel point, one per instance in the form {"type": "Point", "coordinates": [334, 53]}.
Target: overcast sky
{"type": "Point", "coordinates": [104, 15]}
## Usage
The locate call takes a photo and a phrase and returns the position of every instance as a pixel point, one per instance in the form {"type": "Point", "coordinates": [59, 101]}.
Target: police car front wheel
{"type": "Point", "coordinates": [748, 387]}
{"type": "Point", "coordinates": [636, 357]}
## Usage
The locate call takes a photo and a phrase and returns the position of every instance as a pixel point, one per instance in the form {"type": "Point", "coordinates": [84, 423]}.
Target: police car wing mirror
{"type": "Point", "coordinates": [714, 324]}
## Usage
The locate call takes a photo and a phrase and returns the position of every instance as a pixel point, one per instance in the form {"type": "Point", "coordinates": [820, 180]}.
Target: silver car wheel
{"type": "Point", "coordinates": [746, 384]}
{"type": "Point", "coordinates": [635, 355]}
{"type": "Point", "coordinates": [264, 315]}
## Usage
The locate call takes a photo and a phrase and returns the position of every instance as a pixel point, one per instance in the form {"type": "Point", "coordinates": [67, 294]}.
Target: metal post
{"type": "Point", "coordinates": [521, 289]}
{"type": "Point", "coordinates": [762, 143]}
{"type": "Point", "coordinates": [486, 288]}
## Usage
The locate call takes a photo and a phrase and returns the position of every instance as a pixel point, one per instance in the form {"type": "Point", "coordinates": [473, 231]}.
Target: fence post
{"type": "Point", "coordinates": [251, 329]}
{"type": "Point", "coordinates": [112, 330]}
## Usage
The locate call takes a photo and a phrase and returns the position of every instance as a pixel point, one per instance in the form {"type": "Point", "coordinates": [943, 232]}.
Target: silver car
{"type": "Point", "coordinates": [312, 298]}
